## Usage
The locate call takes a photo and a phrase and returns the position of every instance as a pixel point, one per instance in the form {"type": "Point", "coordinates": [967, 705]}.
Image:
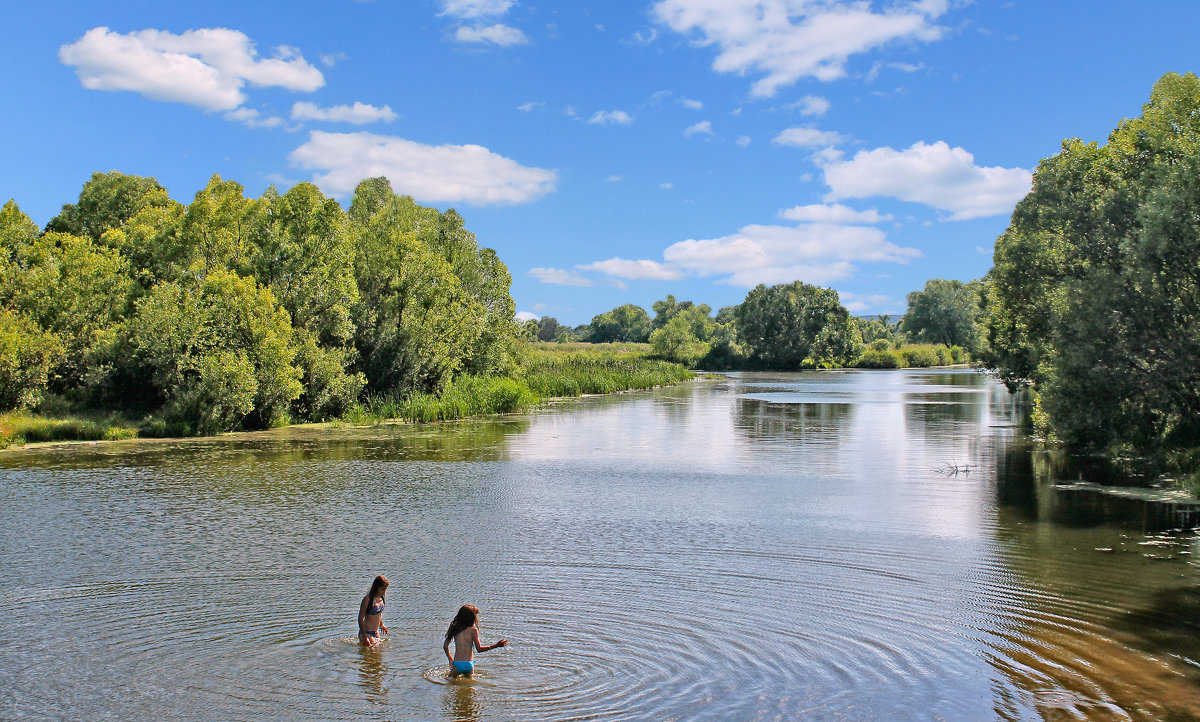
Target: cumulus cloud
{"type": "Point", "coordinates": [443, 173]}
{"type": "Point", "coordinates": [610, 117]}
{"type": "Point", "coordinates": [815, 253]}
{"type": "Point", "coordinates": [933, 174]}
{"type": "Point", "coordinates": [633, 270]}
{"type": "Point", "coordinates": [252, 118]}
{"type": "Point", "coordinates": [785, 40]}
{"type": "Point", "coordinates": [358, 114]}
{"type": "Point", "coordinates": [691, 104]}
{"type": "Point", "coordinates": [798, 137]}
{"type": "Point", "coordinates": [559, 277]}
{"type": "Point", "coordinates": [475, 8]}
{"type": "Point", "coordinates": [704, 127]}
{"type": "Point", "coordinates": [206, 68]}
{"type": "Point", "coordinates": [523, 316]}
{"type": "Point", "coordinates": [811, 105]}
{"type": "Point", "coordinates": [832, 213]}
{"type": "Point", "coordinates": [856, 303]}
{"type": "Point", "coordinates": [498, 34]}
{"type": "Point", "coordinates": [531, 105]}
{"type": "Point", "coordinates": [666, 186]}
{"type": "Point", "coordinates": [743, 140]}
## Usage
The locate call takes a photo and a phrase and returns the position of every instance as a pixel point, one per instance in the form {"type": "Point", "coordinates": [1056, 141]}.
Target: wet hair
{"type": "Point", "coordinates": [378, 589]}
{"type": "Point", "coordinates": [468, 615]}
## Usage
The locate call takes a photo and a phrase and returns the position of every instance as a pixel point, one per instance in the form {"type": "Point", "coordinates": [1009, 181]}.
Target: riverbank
{"type": "Point", "coordinates": [540, 373]}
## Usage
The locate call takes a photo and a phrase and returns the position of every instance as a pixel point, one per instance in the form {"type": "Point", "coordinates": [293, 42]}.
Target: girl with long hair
{"type": "Point", "coordinates": [464, 631]}
{"type": "Point", "coordinates": [370, 613]}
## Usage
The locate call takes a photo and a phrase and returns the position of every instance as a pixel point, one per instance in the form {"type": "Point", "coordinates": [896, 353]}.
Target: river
{"type": "Point", "coordinates": [823, 545]}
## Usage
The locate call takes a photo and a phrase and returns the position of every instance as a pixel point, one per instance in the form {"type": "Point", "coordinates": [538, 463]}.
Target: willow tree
{"type": "Point", "coordinates": [1094, 298]}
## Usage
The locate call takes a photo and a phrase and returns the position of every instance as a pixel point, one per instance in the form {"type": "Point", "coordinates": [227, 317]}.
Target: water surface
{"type": "Point", "coordinates": [826, 545]}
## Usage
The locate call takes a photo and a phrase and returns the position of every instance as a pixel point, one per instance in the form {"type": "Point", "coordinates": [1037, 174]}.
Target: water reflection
{"type": "Point", "coordinates": [756, 547]}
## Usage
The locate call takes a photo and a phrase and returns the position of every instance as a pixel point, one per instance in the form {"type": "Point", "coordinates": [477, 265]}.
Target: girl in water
{"type": "Point", "coordinates": [465, 633]}
{"type": "Point", "coordinates": [370, 613]}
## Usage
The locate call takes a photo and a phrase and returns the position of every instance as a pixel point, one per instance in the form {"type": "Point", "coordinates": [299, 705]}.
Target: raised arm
{"type": "Point", "coordinates": [479, 647]}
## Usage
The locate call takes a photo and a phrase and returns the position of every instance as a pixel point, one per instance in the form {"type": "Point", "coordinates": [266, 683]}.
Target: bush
{"type": "Point", "coordinates": [919, 357]}
{"type": "Point", "coordinates": [881, 344]}
{"type": "Point", "coordinates": [26, 355]}
{"type": "Point", "coordinates": [878, 359]}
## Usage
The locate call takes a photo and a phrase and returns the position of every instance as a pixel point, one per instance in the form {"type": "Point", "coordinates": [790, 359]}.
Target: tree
{"type": "Point", "coordinates": [219, 352]}
{"type": "Point", "coordinates": [107, 201]}
{"type": "Point", "coordinates": [667, 309]}
{"type": "Point", "coordinates": [677, 341]}
{"type": "Point", "coordinates": [547, 328]}
{"type": "Point", "coordinates": [793, 325]}
{"type": "Point", "coordinates": [27, 352]}
{"type": "Point", "coordinates": [624, 323]}
{"type": "Point", "coordinates": [1094, 297]}
{"type": "Point", "coordinates": [945, 312]}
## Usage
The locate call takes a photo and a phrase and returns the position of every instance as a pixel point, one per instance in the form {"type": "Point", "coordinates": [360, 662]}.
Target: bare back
{"type": "Point", "coordinates": [465, 643]}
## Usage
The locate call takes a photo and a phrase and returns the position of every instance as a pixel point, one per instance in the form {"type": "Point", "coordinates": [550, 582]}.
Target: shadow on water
{"type": "Point", "coordinates": [371, 674]}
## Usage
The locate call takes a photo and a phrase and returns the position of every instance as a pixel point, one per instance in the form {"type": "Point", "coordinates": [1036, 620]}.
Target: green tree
{"type": "Point", "coordinates": [794, 324]}
{"type": "Point", "coordinates": [1094, 296]}
{"type": "Point", "coordinates": [27, 353]}
{"type": "Point", "coordinates": [219, 352]}
{"type": "Point", "coordinates": [667, 309]}
{"type": "Point", "coordinates": [547, 328]}
{"type": "Point", "coordinates": [624, 323]}
{"type": "Point", "coordinates": [107, 201]}
{"type": "Point", "coordinates": [677, 341]}
{"type": "Point", "coordinates": [945, 312]}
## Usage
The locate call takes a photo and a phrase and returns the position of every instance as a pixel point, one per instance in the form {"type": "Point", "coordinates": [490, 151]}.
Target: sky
{"type": "Point", "coordinates": [611, 152]}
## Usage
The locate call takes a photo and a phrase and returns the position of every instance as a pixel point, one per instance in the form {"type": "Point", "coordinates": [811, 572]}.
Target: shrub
{"type": "Point", "coordinates": [878, 359]}
{"type": "Point", "coordinates": [919, 357]}
{"type": "Point", "coordinates": [26, 355]}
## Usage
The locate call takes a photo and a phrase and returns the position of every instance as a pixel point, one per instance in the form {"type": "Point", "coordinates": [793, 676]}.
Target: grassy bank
{"type": "Point", "coordinates": [882, 355]}
{"type": "Point", "coordinates": [543, 371]}
{"type": "Point", "coordinates": [22, 427]}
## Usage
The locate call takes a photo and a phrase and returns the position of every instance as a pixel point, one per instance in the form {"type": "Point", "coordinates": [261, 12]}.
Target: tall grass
{"type": "Point", "coordinates": [22, 427]}
{"type": "Point", "coordinates": [553, 373]}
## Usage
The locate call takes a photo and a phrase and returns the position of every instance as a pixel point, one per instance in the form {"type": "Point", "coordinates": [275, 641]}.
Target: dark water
{"type": "Point", "coordinates": [833, 545]}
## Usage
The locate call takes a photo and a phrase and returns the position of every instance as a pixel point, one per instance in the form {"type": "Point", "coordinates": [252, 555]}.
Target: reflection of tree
{"type": "Point", "coordinates": [1085, 626]}
{"type": "Point", "coordinates": [766, 421]}
{"type": "Point", "coordinates": [371, 671]}
{"type": "Point", "coordinates": [460, 701]}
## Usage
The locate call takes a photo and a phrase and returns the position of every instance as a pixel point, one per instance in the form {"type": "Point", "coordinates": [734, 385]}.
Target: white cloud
{"type": "Point", "coordinates": [933, 174]}
{"type": "Point", "coordinates": [798, 137]}
{"type": "Point", "coordinates": [252, 118]}
{"type": "Point", "coordinates": [644, 38]}
{"type": "Point", "coordinates": [743, 140]}
{"type": "Point", "coordinates": [855, 303]}
{"type": "Point", "coordinates": [332, 59]}
{"type": "Point", "coordinates": [811, 105]}
{"type": "Point", "coordinates": [785, 40]}
{"type": "Point", "coordinates": [610, 117]}
{"type": "Point", "coordinates": [498, 34]}
{"type": "Point", "coordinates": [531, 105]}
{"type": "Point", "coordinates": [704, 127]}
{"type": "Point", "coordinates": [832, 213]}
{"type": "Point", "coordinates": [358, 114]}
{"type": "Point", "coordinates": [815, 253]}
{"type": "Point", "coordinates": [443, 173]}
{"type": "Point", "coordinates": [615, 178]}
{"type": "Point", "coordinates": [633, 270]}
{"type": "Point", "coordinates": [523, 316]}
{"type": "Point", "coordinates": [475, 8]}
{"type": "Point", "coordinates": [206, 68]}
{"type": "Point", "coordinates": [559, 277]}
{"type": "Point", "coordinates": [691, 104]}
{"type": "Point", "coordinates": [666, 186]}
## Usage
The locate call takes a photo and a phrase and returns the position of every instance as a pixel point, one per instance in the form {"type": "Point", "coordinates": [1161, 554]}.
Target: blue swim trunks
{"type": "Point", "coordinates": [464, 667]}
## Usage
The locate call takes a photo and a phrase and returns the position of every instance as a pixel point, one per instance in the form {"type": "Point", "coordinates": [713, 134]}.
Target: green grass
{"type": "Point", "coordinates": [543, 371]}
{"type": "Point", "coordinates": [23, 427]}
{"type": "Point", "coordinates": [911, 355]}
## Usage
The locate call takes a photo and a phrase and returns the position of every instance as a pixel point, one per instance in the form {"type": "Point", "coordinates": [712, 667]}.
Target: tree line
{"type": "Point", "coordinates": [791, 326]}
{"type": "Point", "coordinates": [237, 312]}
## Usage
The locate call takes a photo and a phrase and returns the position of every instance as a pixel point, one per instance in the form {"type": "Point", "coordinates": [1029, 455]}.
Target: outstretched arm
{"type": "Point", "coordinates": [480, 648]}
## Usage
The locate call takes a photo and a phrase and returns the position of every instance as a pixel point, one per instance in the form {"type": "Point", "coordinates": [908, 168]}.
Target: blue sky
{"type": "Point", "coordinates": [611, 153]}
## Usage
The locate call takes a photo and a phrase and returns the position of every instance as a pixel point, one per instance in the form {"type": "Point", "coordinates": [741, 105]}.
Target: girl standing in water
{"type": "Point", "coordinates": [465, 633]}
{"type": "Point", "coordinates": [370, 613]}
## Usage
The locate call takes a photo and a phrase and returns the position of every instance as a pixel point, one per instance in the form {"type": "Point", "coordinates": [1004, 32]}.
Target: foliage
{"type": "Point", "coordinates": [783, 326]}
{"type": "Point", "coordinates": [1094, 297]}
{"type": "Point", "coordinates": [25, 428]}
{"type": "Point", "coordinates": [874, 358]}
{"type": "Point", "coordinates": [879, 328]}
{"type": "Point", "coordinates": [571, 373]}
{"type": "Point", "coordinates": [945, 312]}
{"type": "Point", "coordinates": [624, 323]}
{"type": "Point", "coordinates": [106, 202]}
{"type": "Point", "coordinates": [27, 352]}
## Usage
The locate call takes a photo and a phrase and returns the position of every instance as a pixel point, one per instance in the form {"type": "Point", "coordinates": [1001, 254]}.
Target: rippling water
{"type": "Point", "coordinates": [832, 545]}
